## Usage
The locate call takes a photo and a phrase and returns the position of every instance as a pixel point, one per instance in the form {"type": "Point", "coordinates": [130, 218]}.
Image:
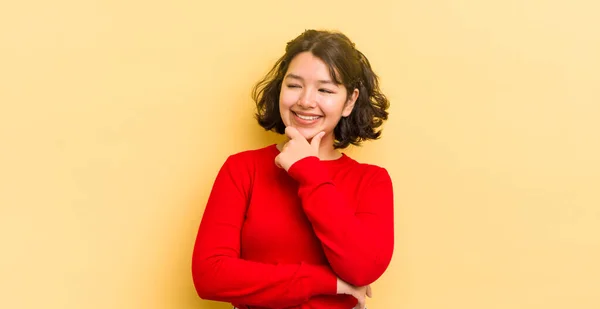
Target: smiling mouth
{"type": "Point", "coordinates": [308, 118]}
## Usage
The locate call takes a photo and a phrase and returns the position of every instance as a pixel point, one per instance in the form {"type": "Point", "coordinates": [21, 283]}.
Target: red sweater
{"type": "Point", "coordinates": [276, 239]}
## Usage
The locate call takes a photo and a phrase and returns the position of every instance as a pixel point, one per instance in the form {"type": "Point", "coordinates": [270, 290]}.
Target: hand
{"type": "Point", "coordinates": [297, 148]}
{"type": "Point", "coordinates": [360, 293]}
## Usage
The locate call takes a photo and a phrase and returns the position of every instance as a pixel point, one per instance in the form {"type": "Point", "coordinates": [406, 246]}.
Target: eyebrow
{"type": "Point", "coordinates": [322, 81]}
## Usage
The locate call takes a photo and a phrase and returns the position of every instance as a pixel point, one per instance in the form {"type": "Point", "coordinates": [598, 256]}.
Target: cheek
{"type": "Point", "coordinates": [286, 99]}
{"type": "Point", "coordinates": [284, 107]}
{"type": "Point", "coordinates": [333, 107]}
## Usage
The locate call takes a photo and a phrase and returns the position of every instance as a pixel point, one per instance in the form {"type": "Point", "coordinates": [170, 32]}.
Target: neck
{"type": "Point", "coordinates": [327, 152]}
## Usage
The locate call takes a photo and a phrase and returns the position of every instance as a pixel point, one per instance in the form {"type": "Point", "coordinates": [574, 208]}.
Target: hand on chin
{"type": "Point", "coordinates": [297, 147]}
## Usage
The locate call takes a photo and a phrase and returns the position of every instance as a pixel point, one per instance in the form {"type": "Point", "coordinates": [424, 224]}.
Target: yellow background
{"type": "Point", "coordinates": [116, 115]}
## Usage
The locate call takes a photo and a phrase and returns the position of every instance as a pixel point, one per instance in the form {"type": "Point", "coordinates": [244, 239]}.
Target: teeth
{"type": "Point", "coordinates": [307, 117]}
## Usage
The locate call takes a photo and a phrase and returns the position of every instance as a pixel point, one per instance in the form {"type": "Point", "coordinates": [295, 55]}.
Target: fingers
{"type": "Point", "coordinates": [361, 296]}
{"type": "Point", "coordinates": [361, 303]}
{"type": "Point", "coordinates": [316, 141]}
{"type": "Point", "coordinates": [292, 133]}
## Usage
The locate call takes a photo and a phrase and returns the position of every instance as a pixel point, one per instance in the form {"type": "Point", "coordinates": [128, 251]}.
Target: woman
{"type": "Point", "coordinates": [300, 224]}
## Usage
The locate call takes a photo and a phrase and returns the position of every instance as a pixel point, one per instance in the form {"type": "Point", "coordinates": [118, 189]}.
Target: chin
{"type": "Point", "coordinates": [308, 133]}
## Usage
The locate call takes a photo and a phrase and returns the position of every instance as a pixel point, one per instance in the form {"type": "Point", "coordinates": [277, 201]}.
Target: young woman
{"type": "Point", "coordinates": [300, 224]}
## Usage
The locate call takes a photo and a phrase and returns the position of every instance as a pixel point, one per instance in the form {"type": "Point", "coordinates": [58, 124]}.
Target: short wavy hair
{"type": "Point", "coordinates": [347, 66]}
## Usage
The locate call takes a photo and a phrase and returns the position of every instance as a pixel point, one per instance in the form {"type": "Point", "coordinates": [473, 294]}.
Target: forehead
{"type": "Point", "coordinates": [309, 66]}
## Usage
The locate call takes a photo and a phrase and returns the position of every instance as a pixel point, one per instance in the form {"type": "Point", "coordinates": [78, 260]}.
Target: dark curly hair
{"type": "Point", "coordinates": [347, 66]}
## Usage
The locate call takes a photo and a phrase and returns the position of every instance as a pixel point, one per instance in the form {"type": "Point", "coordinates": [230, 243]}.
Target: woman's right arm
{"type": "Point", "coordinates": [218, 271]}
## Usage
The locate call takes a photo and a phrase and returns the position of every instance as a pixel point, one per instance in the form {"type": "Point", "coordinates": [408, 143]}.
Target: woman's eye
{"type": "Point", "coordinates": [293, 86]}
{"type": "Point", "coordinates": [326, 90]}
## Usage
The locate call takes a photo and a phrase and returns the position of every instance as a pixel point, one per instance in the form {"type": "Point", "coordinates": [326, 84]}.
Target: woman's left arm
{"type": "Point", "coordinates": [358, 242]}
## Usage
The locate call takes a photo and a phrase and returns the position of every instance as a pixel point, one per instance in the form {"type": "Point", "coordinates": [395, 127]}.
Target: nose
{"type": "Point", "coordinates": [308, 99]}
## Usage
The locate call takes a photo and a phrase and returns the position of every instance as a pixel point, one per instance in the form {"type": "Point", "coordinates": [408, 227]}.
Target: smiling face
{"type": "Point", "coordinates": [310, 100]}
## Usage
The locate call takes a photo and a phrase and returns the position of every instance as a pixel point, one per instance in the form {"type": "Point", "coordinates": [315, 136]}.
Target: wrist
{"type": "Point", "coordinates": [342, 287]}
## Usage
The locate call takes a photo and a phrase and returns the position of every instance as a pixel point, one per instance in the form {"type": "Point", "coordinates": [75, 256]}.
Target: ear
{"type": "Point", "coordinates": [350, 103]}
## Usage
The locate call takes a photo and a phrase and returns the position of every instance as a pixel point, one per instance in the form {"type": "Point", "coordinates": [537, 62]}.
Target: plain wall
{"type": "Point", "coordinates": [115, 117]}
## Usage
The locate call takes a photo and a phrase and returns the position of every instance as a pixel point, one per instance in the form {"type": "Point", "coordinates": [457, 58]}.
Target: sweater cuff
{"type": "Point", "coordinates": [309, 170]}
{"type": "Point", "coordinates": [322, 282]}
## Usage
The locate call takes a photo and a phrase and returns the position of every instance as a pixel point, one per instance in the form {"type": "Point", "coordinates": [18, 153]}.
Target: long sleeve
{"type": "Point", "coordinates": [218, 271]}
{"type": "Point", "coordinates": [358, 243]}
